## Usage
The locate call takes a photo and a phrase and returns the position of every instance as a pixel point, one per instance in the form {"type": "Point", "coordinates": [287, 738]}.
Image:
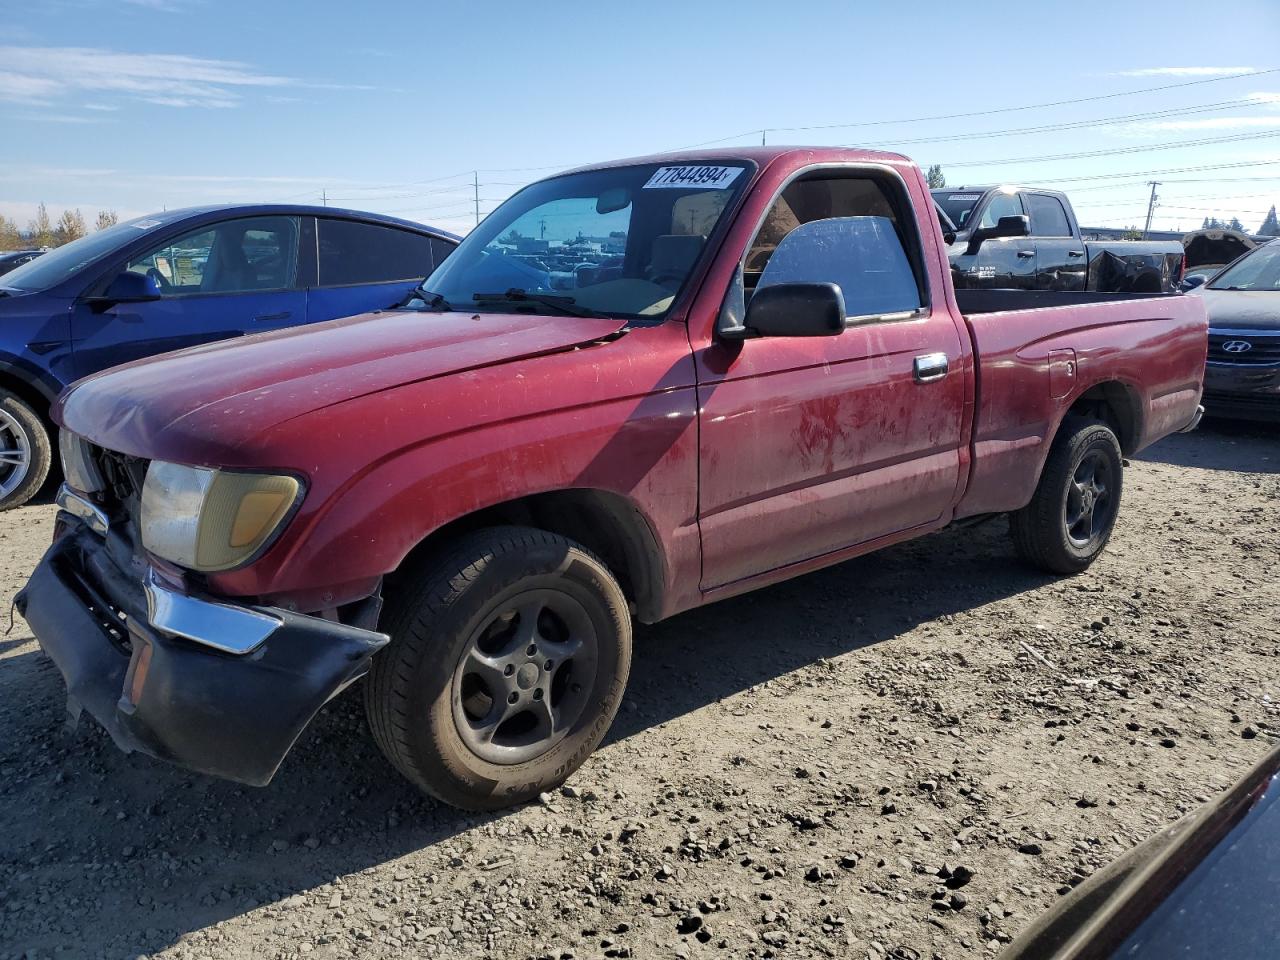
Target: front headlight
{"type": "Point", "coordinates": [78, 468]}
{"type": "Point", "coordinates": [212, 519]}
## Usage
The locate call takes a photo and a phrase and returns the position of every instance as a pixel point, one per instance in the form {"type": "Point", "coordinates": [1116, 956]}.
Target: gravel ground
{"type": "Point", "coordinates": [906, 756]}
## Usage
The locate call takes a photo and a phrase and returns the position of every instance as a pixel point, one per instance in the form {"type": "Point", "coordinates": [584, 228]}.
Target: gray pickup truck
{"type": "Point", "coordinates": [1025, 238]}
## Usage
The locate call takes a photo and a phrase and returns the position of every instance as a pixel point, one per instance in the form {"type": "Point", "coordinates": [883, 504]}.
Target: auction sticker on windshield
{"type": "Point", "coordinates": [712, 178]}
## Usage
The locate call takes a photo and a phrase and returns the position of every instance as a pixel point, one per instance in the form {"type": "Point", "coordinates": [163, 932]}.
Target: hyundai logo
{"type": "Point", "coordinates": [1237, 346]}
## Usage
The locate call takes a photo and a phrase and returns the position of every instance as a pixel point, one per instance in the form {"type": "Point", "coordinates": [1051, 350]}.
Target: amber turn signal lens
{"type": "Point", "coordinates": [257, 514]}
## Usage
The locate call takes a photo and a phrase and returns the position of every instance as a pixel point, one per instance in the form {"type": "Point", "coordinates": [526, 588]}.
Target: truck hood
{"type": "Point", "coordinates": [1242, 309]}
{"type": "Point", "coordinates": [218, 396]}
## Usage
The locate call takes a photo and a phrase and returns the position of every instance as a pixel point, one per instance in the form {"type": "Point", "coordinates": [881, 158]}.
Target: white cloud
{"type": "Point", "coordinates": [1185, 72]}
{"type": "Point", "coordinates": [47, 117]}
{"type": "Point", "coordinates": [44, 75]}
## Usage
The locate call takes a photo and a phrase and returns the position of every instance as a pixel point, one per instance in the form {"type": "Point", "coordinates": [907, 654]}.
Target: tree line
{"type": "Point", "coordinates": [42, 231]}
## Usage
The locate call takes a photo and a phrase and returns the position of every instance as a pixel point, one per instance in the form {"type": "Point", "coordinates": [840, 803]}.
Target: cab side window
{"type": "Point", "coordinates": [1048, 219]}
{"type": "Point", "coordinates": [847, 230]}
{"type": "Point", "coordinates": [356, 253]}
{"type": "Point", "coordinates": [1001, 205]}
{"type": "Point", "coordinates": [238, 256]}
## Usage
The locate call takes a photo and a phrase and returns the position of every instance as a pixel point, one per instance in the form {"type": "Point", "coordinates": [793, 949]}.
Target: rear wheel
{"type": "Point", "coordinates": [26, 451]}
{"type": "Point", "coordinates": [507, 663]}
{"type": "Point", "coordinates": [1070, 518]}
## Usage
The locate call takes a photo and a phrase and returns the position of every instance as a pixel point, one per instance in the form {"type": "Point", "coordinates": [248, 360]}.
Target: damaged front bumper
{"type": "Point", "coordinates": [214, 687]}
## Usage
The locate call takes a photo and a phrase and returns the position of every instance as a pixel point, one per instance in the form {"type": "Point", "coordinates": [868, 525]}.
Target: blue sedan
{"type": "Point", "coordinates": [177, 279]}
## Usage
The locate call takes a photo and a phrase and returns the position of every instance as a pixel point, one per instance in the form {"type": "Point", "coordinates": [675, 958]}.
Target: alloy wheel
{"type": "Point", "coordinates": [1090, 506]}
{"type": "Point", "coordinates": [525, 676]}
{"type": "Point", "coordinates": [15, 454]}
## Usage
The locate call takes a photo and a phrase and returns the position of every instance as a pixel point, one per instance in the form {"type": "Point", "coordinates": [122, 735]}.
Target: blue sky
{"type": "Point", "coordinates": [140, 104]}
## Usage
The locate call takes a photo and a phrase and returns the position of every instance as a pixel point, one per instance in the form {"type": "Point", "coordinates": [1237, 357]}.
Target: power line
{"type": "Point", "coordinates": [1148, 173]}
{"type": "Point", "coordinates": [978, 113]}
{"type": "Point", "coordinates": [1117, 151]}
{"type": "Point", "coordinates": [1071, 125]}
{"type": "Point", "coordinates": [1030, 106]}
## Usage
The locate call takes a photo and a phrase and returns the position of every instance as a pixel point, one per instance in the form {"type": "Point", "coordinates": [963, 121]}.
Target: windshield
{"type": "Point", "coordinates": [59, 264]}
{"type": "Point", "coordinates": [1260, 270]}
{"type": "Point", "coordinates": [615, 242]}
{"type": "Point", "coordinates": [957, 204]}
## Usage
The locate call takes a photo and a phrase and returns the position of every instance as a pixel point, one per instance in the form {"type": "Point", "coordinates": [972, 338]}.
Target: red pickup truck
{"type": "Point", "coordinates": [635, 388]}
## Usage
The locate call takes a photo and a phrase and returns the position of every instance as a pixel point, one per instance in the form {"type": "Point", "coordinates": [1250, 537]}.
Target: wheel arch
{"type": "Point", "coordinates": [607, 523]}
{"type": "Point", "coordinates": [1115, 403]}
{"type": "Point", "coordinates": [28, 388]}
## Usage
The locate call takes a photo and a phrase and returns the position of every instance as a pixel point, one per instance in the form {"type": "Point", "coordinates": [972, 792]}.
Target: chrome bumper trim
{"type": "Point", "coordinates": [224, 627]}
{"type": "Point", "coordinates": [76, 505]}
{"type": "Point", "coordinates": [1195, 420]}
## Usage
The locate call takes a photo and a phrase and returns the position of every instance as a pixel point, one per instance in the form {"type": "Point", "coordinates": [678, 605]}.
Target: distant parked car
{"type": "Point", "coordinates": [182, 278]}
{"type": "Point", "coordinates": [1242, 378]}
{"type": "Point", "coordinates": [1211, 249]}
{"type": "Point", "coordinates": [12, 259]}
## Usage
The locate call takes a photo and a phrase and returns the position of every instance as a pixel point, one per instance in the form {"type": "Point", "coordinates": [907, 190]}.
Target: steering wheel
{"type": "Point", "coordinates": [159, 278]}
{"type": "Point", "coordinates": [667, 280]}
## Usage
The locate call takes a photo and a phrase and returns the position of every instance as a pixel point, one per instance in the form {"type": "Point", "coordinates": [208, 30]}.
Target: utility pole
{"type": "Point", "coordinates": [762, 133]}
{"type": "Point", "coordinates": [324, 196]}
{"type": "Point", "coordinates": [1151, 207]}
{"type": "Point", "coordinates": [475, 182]}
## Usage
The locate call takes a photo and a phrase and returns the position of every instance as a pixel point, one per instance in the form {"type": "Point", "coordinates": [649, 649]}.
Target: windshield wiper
{"type": "Point", "coordinates": [516, 295]}
{"type": "Point", "coordinates": [433, 300]}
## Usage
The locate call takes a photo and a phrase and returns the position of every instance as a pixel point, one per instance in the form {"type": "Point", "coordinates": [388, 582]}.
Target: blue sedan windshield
{"type": "Point", "coordinates": [59, 264]}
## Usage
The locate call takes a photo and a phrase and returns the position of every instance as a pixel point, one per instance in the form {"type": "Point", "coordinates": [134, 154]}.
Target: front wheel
{"type": "Point", "coordinates": [1070, 518]}
{"type": "Point", "coordinates": [26, 451]}
{"type": "Point", "coordinates": [507, 663]}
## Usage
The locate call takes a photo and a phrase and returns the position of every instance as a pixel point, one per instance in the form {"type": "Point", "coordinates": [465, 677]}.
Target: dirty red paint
{"type": "Point", "coordinates": [749, 461]}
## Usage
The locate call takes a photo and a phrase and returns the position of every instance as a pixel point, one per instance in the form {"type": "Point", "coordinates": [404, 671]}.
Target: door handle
{"type": "Point", "coordinates": [930, 367]}
{"type": "Point", "coordinates": [1026, 253]}
{"type": "Point", "coordinates": [266, 317]}
{"type": "Point", "coordinates": [1075, 253]}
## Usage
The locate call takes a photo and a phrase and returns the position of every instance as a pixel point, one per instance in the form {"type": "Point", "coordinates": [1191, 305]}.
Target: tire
{"type": "Point", "coordinates": [463, 629]}
{"type": "Point", "coordinates": [26, 451]}
{"type": "Point", "coordinates": [1064, 529]}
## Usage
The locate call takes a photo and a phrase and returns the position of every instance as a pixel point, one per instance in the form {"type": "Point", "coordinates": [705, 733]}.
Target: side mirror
{"type": "Point", "coordinates": [796, 310]}
{"type": "Point", "coordinates": [130, 287]}
{"type": "Point", "coordinates": [1190, 283]}
{"type": "Point", "coordinates": [1019, 226]}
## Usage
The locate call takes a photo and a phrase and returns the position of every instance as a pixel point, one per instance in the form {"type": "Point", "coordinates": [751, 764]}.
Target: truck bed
{"type": "Point", "coordinates": [999, 301]}
{"type": "Point", "coordinates": [1038, 353]}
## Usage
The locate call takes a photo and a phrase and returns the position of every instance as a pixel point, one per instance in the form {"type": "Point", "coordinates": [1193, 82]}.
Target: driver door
{"type": "Point", "coordinates": [217, 281]}
{"type": "Point", "coordinates": [1007, 263]}
{"type": "Point", "coordinates": [812, 445]}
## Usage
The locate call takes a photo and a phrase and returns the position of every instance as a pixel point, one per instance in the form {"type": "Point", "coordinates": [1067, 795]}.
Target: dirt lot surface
{"type": "Point", "coordinates": [907, 756]}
